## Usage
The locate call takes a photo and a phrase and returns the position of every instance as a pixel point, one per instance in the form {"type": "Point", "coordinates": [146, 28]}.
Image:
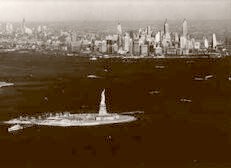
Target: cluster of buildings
{"type": "Point", "coordinates": [144, 42]}
{"type": "Point", "coordinates": [147, 42]}
{"type": "Point", "coordinates": [40, 38]}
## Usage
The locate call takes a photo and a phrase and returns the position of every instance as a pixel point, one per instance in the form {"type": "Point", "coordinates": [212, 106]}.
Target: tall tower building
{"type": "Point", "coordinates": [214, 42]}
{"type": "Point", "coordinates": [126, 42]}
{"type": "Point", "coordinates": [166, 27]}
{"type": "Point", "coordinates": [157, 37]}
{"type": "Point", "coordinates": [148, 30]}
{"type": "Point", "coordinates": [185, 28]}
{"type": "Point", "coordinates": [136, 47]}
{"type": "Point", "coordinates": [131, 47]}
{"type": "Point", "coordinates": [119, 32]}
{"type": "Point", "coordinates": [206, 43]}
{"type": "Point", "coordinates": [176, 37]}
{"type": "Point", "coordinates": [119, 29]}
{"type": "Point", "coordinates": [144, 50]}
{"type": "Point", "coordinates": [183, 42]}
{"type": "Point", "coordinates": [109, 46]}
{"type": "Point", "coordinates": [166, 36]}
{"type": "Point", "coordinates": [103, 47]}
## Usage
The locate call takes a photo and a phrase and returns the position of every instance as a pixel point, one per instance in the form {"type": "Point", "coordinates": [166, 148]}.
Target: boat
{"type": "Point", "coordinates": [92, 76]}
{"type": "Point", "coordinates": [198, 79]}
{"type": "Point", "coordinates": [208, 77]}
{"type": "Point", "coordinates": [154, 92]}
{"type": "Point", "coordinates": [15, 127]}
{"type": "Point", "coordinates": [159, 67]}
{"type": "Point", "coordinates": [81, 119]}
{"type": "Point", "coordinates": [185, 100]}
{"type": "Point", "coordinates": [93, 58]}
{"type": "Point", "coordinates": [4, 84]}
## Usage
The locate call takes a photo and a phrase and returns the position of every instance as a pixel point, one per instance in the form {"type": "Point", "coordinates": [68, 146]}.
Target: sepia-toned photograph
{"type": "Point", "coordinates": [115, 83]}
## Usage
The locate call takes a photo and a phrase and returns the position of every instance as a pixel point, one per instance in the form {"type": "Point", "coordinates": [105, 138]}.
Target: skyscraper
{"type": "Point", "coordinates": [109, 47]}
{"type": "Point", "coordinates": [115, 48]}
{"type": "Point", "coordinates": [103, 48]}
{"type": "Point", "coordinates": [119, 29]}
{"type": "Point", "coordinates": [166, 36]}
{"type": "Point", "coordinates": [131, 47]}
{"type": "Point", "coordinates": [119, 32]}
{"type": "Point", "coordinates": [183, 42]}
{"type": "Point", "coordinates": [126, 42]}
{"type": "Point", "coordinates": [214, 42]}
{"type": "Point", "coordinates": [185, 28]}
{"type": "Point", "coordinates": [148, 30]}
{"type": "Point", "coordinates": [176, 40]}
{"type": "Point", "coordinates": [166, 27]}
{"type": "Point", "coordinates": [206, 43]}
{"type": "Point", "coordinates": [157, 37]}
{"type": "Point", "coordinates": [144, 50]}
{"type": "Point", "coordinates": [136, 47]}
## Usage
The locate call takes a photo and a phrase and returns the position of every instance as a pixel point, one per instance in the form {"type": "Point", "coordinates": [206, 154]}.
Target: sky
{"type": "Point", "coordinates": [112, 10]}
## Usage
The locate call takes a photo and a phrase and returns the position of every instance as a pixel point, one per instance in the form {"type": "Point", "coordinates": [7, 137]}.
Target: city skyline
{"type": "Point", "coordinates": [102, 10]}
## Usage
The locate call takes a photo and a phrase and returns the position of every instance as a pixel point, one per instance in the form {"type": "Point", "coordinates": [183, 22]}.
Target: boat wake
{"type": "Point", "coordinates": [133, 112]}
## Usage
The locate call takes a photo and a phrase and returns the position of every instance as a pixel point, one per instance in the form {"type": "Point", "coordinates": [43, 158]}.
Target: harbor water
{"type": "Point", "coordinates": [186, 122]}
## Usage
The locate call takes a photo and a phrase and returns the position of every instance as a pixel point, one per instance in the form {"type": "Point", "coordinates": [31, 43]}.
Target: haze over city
{"type": "Point", "coordinates": [94, 10]}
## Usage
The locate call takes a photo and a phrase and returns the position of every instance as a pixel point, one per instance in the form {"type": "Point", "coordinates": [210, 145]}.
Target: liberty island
{"type": "Point", "coordinates": [66, 119]}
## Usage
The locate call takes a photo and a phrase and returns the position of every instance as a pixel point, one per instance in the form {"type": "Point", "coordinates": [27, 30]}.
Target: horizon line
{"type": "Point", "coordinates": [125, 20]}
